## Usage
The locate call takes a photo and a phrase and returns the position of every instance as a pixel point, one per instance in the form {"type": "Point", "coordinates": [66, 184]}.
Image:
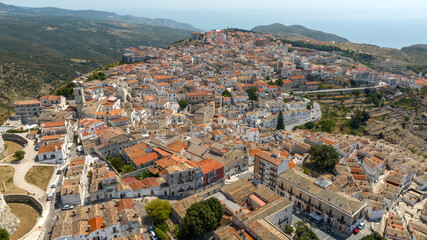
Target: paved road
{"type": "Point", "coordinates": [338, 90]}
{"type": "Point", "coordinates": [323, 235]}
{"type": "Point", "coordinates": [146, 220]}
{"type": "Point", "coordinates": [21, 169]}
{"type": "Point", "coordinates": [316, 115]}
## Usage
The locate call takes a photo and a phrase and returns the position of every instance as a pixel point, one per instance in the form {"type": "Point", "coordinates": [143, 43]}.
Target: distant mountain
{"type": "Point", "coordinates": [37, 54]}
{"type": "Point", "coordinates": [298, 30]}
{"type": "Point", "coordinates": [10, 10]}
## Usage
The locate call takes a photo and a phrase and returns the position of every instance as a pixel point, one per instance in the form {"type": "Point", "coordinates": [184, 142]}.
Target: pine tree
{"type": "Point", "coordinates": [280, 123]}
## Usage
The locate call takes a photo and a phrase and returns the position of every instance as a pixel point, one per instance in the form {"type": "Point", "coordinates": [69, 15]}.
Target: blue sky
{"type": "Point", "coordinates": [391, 23]}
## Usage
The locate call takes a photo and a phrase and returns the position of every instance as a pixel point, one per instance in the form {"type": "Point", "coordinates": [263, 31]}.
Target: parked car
{"type": "Point", "coordinates": [53, 185]}
{"type": "Point", "coordinates": [361, 225]}
{"type": "Point", "coordinates": [58, 172]}
{"type": "Point", "coordinates": [356, 231]}
{"type": "Point", "coordinates": [49, 197]}
{"type": "Point", "coordinates": [67, 207]}
{"type": "Point", "coordinates": [151, 230]}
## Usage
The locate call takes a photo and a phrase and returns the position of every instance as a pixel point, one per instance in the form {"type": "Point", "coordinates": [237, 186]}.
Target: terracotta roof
{"type": "Point", "coordinates": [209, 165]}
{"type": "Point", "coordinates": [95, 223]}
{"type": "Point", "coordinates": [146, 158]}
{"type": "Point", "coordinates": [53, 124]}
{"type": "Point", "coordinates": [27, 102]}
{"type": "Point", "coordinates": [49, 148]}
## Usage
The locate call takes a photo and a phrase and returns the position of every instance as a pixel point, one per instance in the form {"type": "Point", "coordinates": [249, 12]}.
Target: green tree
{"type": "Point", "coordinates": [117, 162]}
{"type": "Point", "coordinates": [183, 103]}
{"type": "Point", "coordinates": [303, 232]}
{"type": "Point", "coordinates": [216, 207]}
{"type": "Point", "coordinates": [19, 154]}
{"type": "Point", "coordinates": [324, 157]}
{"type": "Point", "coordinates": [403, 124]}
{"type": "Point", "coordinates": [161, 234]}
{"type": "Point", "coordinates": [289, 229]}
{"type": "Point", "coordinates": [159, 210]}
{"type": "Point", "coordinates": [326, 125]}
{"type": "Point", "coordinates": [358, 118]}
{"type": "Point", "coordinates": [279, 82]}
{"type": "Point", "coordinates": [280, 122]}
{"type": "Point", "coordinates": [309, 125]}
{"type": "Point", "coordinates": [4, 235]}
{"type": "Point", "coordinates": [373, 236]}
{"type": "Point", "coordinates": [200, 218]}
{"type": "Point", "coordinates": [144, 174]}
{"type": "Point", "coordinates": [127, 169]}
{"type": "Point", "coordinates": [252, 94]}
{"type": "Point", "coordinates": [226, 93]}
{"type": "Point", "coordinates": [356, 93]}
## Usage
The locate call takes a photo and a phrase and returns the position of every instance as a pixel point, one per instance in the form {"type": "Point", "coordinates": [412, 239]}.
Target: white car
{"type": "Point", "coordinates": [67, 207]}
{"type": "Point", "coordinates": [53, 185]}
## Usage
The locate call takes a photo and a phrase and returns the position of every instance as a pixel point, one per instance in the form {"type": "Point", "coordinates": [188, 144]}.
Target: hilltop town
{"type": "Point", "coordinates": [215, 117]}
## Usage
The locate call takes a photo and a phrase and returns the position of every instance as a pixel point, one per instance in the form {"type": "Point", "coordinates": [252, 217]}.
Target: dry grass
{"type": "Point", "coordinates": [28, 217]}
{"type": "Point", "coordinates": [6, 177]}
{"type": "Point", "coordinates": [12, 147]}
{"type": "Point", "coordinates": [40, 176]}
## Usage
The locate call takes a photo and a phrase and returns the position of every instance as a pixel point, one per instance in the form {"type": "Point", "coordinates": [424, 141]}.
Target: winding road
{"type": "Point", "coordinates": [21, 169]}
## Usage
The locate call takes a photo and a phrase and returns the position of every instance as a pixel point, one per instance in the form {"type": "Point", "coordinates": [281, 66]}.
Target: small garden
{"type": "Point", "coordinates": [120, 165]}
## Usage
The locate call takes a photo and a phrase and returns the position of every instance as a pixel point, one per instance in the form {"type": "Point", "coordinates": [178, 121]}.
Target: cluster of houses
{"type": "Point", "coordinates": [199, 121]}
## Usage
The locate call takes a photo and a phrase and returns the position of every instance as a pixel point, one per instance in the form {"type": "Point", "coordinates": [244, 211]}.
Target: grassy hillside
{"type": "Point", "coordinates": [37, 54]}
{"type": "Point", "coordinates": [298, 30]}
{"type": "Point", "coordinates": [10, 10]}
{"type": "Point", "coordinates": [418, 53]}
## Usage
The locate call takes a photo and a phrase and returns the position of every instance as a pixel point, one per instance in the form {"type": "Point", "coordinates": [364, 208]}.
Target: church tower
{"type": "Point", "coordinates": [79, 97]}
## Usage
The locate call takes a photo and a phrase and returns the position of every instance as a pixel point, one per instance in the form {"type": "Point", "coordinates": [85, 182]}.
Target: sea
{"type": "Point", "coordinates": [390, 31]}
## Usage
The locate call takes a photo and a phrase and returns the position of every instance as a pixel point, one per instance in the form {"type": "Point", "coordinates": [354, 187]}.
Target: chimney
{"type": "Point", "coordinates": [103, 224]}
{"type": "Point", "coordinates": [88, 228]}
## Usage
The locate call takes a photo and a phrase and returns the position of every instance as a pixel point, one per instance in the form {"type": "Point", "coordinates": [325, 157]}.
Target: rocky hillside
{"type": "Point", "coordinates": [298, 30]}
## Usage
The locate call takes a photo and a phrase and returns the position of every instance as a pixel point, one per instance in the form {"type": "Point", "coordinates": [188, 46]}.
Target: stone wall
{"type": "Point", "coordinates": [25, 199]}
{"type": "Point", "coordinates": [8, 221]}
{"type": "Point", "coordinates": [15, 138]}
{"type": "Point", "coordinates": [3, 150]}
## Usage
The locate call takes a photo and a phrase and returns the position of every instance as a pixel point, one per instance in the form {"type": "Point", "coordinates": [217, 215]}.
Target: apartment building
{"type": "Point", "coordinates": [338, 210]}
{"type": "Point", "coordinates": [268, 166]}
{"type": "Point", "coordinates": [28, 109]}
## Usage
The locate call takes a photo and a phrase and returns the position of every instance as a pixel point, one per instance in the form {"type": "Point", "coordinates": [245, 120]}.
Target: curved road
{"type": "Point", "coordinates": [315, 116]}
{"type": "Point", "coordinates": [339, 89]}
{"type": "Point", "coordinates": [21, 170]}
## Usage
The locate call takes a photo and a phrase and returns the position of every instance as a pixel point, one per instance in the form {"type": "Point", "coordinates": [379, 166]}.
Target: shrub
{"type": "Point", "coordinates": [183, 103]}
{"type": "Point", "coordinates": [289, 229]}
{"type": "Point", "coordinates": [4, 235]}
{"type": "Point", "coordinates": [160, 234]}
{"type": "Point", "coordinates": [19, 154]}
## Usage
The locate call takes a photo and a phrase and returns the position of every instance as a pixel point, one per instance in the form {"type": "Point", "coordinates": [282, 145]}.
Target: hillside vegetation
{"type": "Point", "coordinates": [298, 30]}
{"type": "Point", "coordinates": [10, 10]}
{"type": "Point", "coordinates": [37, 54]}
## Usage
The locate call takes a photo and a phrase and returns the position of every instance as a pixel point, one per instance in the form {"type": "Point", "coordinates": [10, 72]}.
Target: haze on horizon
{"type": "Point", "coordinates": [388, 23]}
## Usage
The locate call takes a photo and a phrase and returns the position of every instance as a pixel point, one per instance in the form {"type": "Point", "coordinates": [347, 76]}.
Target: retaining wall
{"type": "Point", "coordinates": [25, 199]}
{"type": "Point", "coordinates": [15, 138]}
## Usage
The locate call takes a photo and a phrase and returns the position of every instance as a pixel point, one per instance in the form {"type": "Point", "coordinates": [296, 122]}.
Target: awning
{"type": "Point", "coordinates": [315, 216]}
